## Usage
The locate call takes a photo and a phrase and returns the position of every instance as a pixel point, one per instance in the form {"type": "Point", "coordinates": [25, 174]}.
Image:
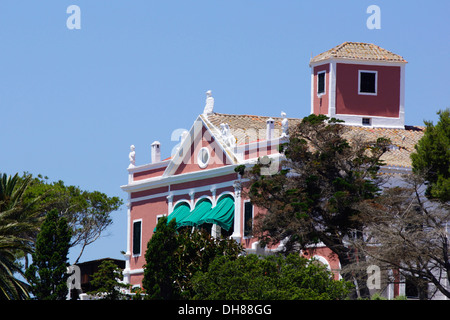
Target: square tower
{"type": "Point", "coordinates": [360, 83]}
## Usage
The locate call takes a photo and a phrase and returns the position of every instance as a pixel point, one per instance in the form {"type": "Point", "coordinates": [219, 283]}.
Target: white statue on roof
{"type": "Point", "coordinates": [209, 106]}
{"type": "Point", "coordinates": [284, 125]}
{"type": "Point", "coordinates": [132, 156]}
{"type": "Point", "coordinates": [229, 139]}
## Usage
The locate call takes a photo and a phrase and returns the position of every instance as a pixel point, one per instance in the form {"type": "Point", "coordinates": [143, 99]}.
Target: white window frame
{"type": "Point", "coordinates": [376, 83]}
{"type": "Point", "coordinates": [140, 240]}
{"type": "Point", "coordinates": [200, 162]}
{"type": "Point", "coordinates": [324, 83]}
{"type": "Point", "coordinates": [159, 216]}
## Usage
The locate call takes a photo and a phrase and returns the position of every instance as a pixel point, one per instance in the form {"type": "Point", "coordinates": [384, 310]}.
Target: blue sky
{"type": "Point", "coordinates": [73, 101]}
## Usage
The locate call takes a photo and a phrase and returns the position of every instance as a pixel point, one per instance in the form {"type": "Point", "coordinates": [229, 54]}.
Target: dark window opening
{"type": "Point", "coordinates": [367, 83]}
{"type": "Point", "coordinates": [366, 121]}
{"type": "Point", "coordinates": [248, 219]}
{"type": "Point", "coordinates": [137, 237]}
{"type": "Point", "coordinates": [321, 83]}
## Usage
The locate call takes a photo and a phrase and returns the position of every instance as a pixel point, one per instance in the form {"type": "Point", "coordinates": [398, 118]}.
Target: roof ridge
{"type": "Point", "coordinates": [359, 51]}
{"type": "Point", "coordinates": [252, 115]}
{"type": "Point", "coordinates": [407, 127]}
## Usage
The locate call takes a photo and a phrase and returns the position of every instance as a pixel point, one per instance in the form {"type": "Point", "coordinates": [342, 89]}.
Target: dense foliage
{"type": "Point", "coordinates": [106, 282]}
{"type": "Point", "coordinates": [185, 264]}
{"type": "Point", "coordinates": [24, 203]}
{"type": "Point", "coordinates": [269, 278]}
{"type": "Point", "coordinates": [88, 213]}
{"type": "Point", "coordinates": [18, 228]}
{"type": "Point", "coordinates": [432, 157]}
{"type": "Point", "coordinates": [313, 197]}
{"type": "Point", "coordinates": [174, 256]}
{"type": "Point", "coordinates": [161, 270]}
{"type": "Point", "coordinates": [47, 274]}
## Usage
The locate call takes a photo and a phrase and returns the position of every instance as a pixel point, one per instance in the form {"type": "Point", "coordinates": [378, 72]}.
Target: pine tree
{"type": "Point", "coordinates": [47, 274]}
{"type": "Point", "coordinates": [161, 268]}
{"type": "Point", "coordinates": [432, 157]}
{"type": "Point", "coordinates": [107, 281]}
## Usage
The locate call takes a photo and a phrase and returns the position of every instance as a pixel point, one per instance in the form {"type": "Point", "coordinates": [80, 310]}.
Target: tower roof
{"type": "Point", "coordinates": [359, 51]}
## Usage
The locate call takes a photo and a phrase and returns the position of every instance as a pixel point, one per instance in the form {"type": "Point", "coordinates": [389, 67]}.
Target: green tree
{"type": "Point", "coordinates": [88, 213]}
{"type": "Point", "coordinates": [174, 256]}
{"type": "Point", "coordinates": [312, 198]}
{"type": "Point", "coordinates": [18, 228]}
{"type": "Point", "coordinates": [47, 274]}
{"type": "Point", "coordinates": [161, 270]}
{"type": "Point", "coordinates": [432, 157]}
{"type": "Point", "coordinates": [267, 278]}
{"type": "Point", "coordinates": [197, 249]}
{"type": "Point", "coordinates": [106, 281]}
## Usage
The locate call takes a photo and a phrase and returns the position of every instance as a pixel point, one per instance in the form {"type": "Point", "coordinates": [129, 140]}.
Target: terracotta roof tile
{"type": "Point", "coordinates": [251, 128]}
{"type": "Point", "coordinates": [359, 51]}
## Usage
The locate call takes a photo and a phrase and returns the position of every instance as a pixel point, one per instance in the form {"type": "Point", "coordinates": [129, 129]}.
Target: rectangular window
{"type": "Point", "coordinates": [366, 121]}
{"type": "Point", "coordinates": [137, 231]}
{"type": "Point", "coordinates": [321, 82]}
{"type": "Point", "coordinates": [368, 82]}
{"type": "Point", "coordinates": [248, 219]}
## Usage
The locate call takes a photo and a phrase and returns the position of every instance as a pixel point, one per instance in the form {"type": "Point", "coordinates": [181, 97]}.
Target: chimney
{"type": "Point", "coordinates": [270, 128]}
{"type": "Point", "coordinates": [156, 152]}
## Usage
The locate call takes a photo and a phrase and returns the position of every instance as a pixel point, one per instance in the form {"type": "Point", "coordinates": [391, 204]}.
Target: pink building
{"type": "Point", "coordinates": [359, 83]}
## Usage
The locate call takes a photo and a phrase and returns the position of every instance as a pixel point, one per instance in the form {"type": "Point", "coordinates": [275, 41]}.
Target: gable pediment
{"type": "Point", "coordinates": [199, 150]}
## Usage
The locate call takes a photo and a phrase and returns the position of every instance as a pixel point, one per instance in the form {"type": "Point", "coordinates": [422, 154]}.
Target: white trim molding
{"type": "Point", "coordinates": [324, 72]}
{"type": "Point", "coordinates": [376, 83]}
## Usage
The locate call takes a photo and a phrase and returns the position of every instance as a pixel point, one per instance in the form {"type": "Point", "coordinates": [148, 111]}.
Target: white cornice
{"type": "Point", "coordinates": [163, 181]}
{"type": "Point", "coordinates": [358, 61]}
{"type": "Point", "coordinates": [215, 186]}
{"type": "Point", "coordinates": [148, 166]}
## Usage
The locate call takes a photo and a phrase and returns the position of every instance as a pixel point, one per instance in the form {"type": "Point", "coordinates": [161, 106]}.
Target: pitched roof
{"type": "Point", "coordinates": [402, 142]}
{"type": "Point", "coordinates": [251, 128]}
{"type": "Point", "coordinates": [248, 128]}
{"type": "Point", "coordinates": [359, 51]}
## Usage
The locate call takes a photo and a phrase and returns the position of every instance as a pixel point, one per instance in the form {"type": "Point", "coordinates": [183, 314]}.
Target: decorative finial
{"type": "Point", "coordinates": [132, 156]}
{"type": "Point", "coordinates": [209, 106]}
{"type": "Point", "coordinates": [284, 125]}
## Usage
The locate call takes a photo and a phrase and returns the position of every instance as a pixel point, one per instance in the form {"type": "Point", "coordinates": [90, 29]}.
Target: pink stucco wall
{"type": "Point", "coordinates": [149, 173]}
{"type": "Point", "coordinates": [217, 157]}
{"type": "Point", "coordinates": [320, 105]}
{"type": "Point", "coordinates": [146, 210]}
{"type": "Point", "coordinates": [387, 101]}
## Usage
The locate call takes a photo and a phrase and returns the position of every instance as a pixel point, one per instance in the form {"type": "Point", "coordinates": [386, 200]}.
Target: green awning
{"type": "Point", "coordinates": [180, 212]}
{"type": "Point", "coordinates": [222, 214]}
{"type": "Point", "coordinates": [202, 208]}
